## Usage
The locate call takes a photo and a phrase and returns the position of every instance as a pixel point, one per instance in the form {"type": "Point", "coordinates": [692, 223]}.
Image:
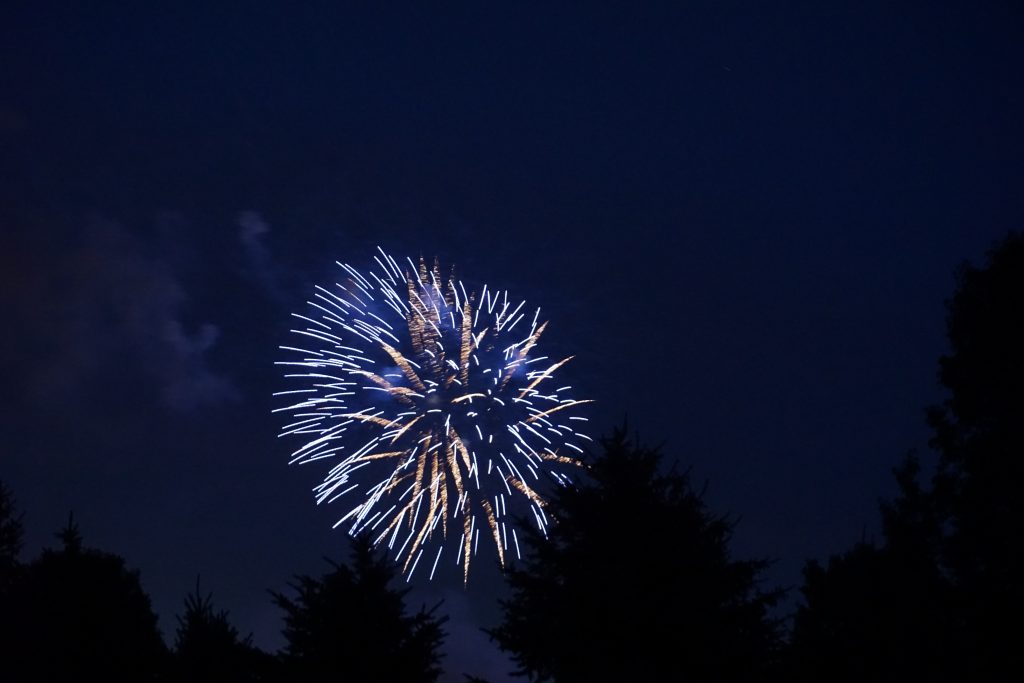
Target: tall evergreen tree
{"type": "Point", "coordinates": [11, 536]}
{"type": "Point", "coordinates": [11, 530]}
{"type": "Point", "coordinates": [635, 583]}
{"type": "Point", "coordinates": [80, 614]}
{"type": "Point", "coordinates": [207, 647]}
{"type": "Point", "coordinates": [942, 598]}
{"type": "Point", "coordinates": [979, 434]}
{"type": "Point", "coordinates": [352, 624]}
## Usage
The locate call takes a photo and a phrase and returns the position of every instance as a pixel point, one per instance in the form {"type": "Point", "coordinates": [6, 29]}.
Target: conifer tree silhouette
{"type": "Point", "coordinates": [350, 624]}
{"type": "Point", "coordinates": [11, 529]}
{"type": "Point", "coordinates": [11, 535]}
{"type": "Point", "coordinates": [635, 583]}
{"type": "Point", "coordinates": [941, 599]}
{"type": "Point", "coordinates": [207, 646]}
{"type": "Point", "coordinates": [979, 434]}
{"type": "Point", "coordinates": [80, 614]}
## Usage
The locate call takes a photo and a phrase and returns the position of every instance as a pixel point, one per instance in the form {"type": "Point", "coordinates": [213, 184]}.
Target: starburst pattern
{"type": "Point", "coordinates": [431, 406]}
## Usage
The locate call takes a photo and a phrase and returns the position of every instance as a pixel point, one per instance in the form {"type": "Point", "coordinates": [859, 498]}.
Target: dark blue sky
{"type": "Point", "coordinates": [742, 217]}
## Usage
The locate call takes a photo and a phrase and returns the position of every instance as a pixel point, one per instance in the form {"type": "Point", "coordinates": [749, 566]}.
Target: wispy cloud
{"type": "Point", "coordinates": [113, 306]}
{"type": "Point", "coordinates": [252, 229]}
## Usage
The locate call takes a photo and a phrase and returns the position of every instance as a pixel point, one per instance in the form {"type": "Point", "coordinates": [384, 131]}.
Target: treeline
{"type": "Point", "coordinates": [77, 613]}
{"type": "Point", "coordinates": [635, 581]}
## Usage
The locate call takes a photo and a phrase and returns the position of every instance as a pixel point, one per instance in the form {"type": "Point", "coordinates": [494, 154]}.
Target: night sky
{"type": "Point", "coordinates": [743, 218]}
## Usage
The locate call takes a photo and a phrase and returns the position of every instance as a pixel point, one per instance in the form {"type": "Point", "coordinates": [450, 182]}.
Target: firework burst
{"type": "Point", "coordinates": [428, 401]}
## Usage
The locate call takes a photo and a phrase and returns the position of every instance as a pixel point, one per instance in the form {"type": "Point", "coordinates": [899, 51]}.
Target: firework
{"type": "Point", "coordinates": [434, 412]}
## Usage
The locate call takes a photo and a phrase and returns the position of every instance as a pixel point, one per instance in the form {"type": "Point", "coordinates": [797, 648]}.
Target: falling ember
{"type": "Point", "coordinates": [428, 404]}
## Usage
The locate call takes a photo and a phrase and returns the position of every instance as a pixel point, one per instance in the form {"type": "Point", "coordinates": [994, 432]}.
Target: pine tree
{"type": "Point", "coordinates": [979, 435]}
{"type": "Point", "coordinates": [635, 582]}
{"type": "Point", "coordinates": [207, 647]}
{"type": "Point", "coordinates": [78, 613]}
{"type": "Point", "coordinates": [941, 599]}
{"type": "Point", "coordinates": [351, 624]}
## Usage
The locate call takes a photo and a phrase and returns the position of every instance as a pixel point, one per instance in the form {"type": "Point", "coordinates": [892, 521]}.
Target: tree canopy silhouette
{"type": "Point", "coordinates": [979, 434]}
{"type": "Point", "coordinates": [207, 647]}
{"type": "Point", "coordinates": [11, 530]}
{"type": "Point", "coordinates": [352, 624]}
{"type": "Point", "coordinates": [870, 614]}
{"type": "Point", "coordinates": [635, 582]}
{"type": "Point", "coordinates": [79, 614]}
{"type": "Point", "coordinates": [11, 537]}
{"type": "Point", "coordinates": [942, 599]}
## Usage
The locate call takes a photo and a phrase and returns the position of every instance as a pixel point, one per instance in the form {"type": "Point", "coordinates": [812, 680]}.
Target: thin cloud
{"type": "Point", "coordinates": [114, 306]}
{"type": "Point", "coordinates": [260, 266]}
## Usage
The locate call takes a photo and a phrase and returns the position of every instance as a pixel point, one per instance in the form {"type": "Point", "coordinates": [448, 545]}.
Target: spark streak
{"type": "Point", "coordinates": [389, 394]}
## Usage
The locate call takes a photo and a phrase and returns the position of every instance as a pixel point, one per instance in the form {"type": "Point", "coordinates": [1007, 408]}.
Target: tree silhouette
{"type": "Point", "coordinates": [351, 624]}
{"type": "Point", "coordinates": [79, 614]}
{"type": "Point", "coordinates": [208, 648]}
{"type": "Point", "coordinates": [11, 537]}
{"type": "Point", "coordinates": [884, 612]}
{"type": "Point", "coordinates": [11, 530]}
{"type": "Point", "coordinates": [635, 582]}
{"type": "Point", "coordinates": [979, 434]}
{"type": "Point", "coordinates": [870, 614]}
{"type": "Point", "coordinates": [941, 599]}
